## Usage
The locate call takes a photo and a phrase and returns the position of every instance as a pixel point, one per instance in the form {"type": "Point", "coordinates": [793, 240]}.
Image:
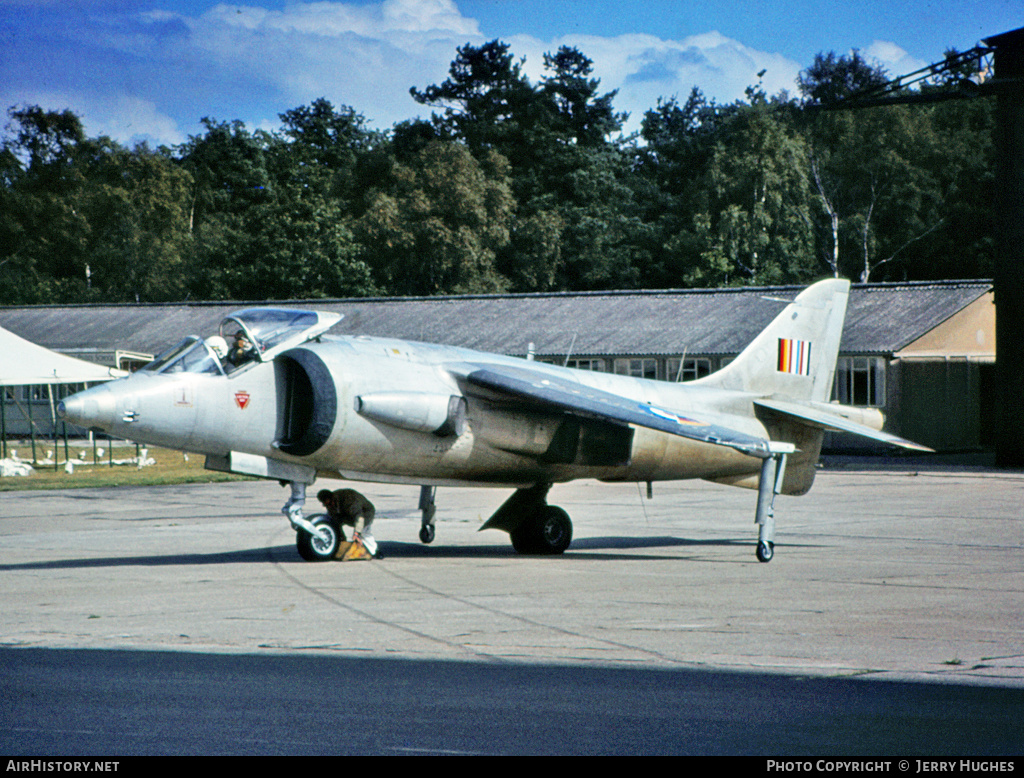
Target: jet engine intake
{"type": "Point", "coordinates": [310, 403]}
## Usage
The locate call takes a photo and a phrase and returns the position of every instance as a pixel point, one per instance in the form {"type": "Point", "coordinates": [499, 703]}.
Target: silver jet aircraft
{"type": "Point", "coordinates": [290, 403]}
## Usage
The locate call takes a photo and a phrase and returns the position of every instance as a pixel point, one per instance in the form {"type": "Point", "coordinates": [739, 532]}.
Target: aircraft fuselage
{"type": "Point", "coordinates": [253, 410]}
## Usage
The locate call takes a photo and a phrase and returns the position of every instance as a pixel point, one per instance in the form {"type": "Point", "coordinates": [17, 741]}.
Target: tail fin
{"type": "Point", "coordinates": [794, 357]}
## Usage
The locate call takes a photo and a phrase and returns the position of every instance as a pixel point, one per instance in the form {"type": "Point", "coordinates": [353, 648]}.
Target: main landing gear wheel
{"type": "Point", "coordinates": [765, 551]}
{"type": "Point", "coordinates": [427, 533]}
{"type": "Point", "coordinates": [548, 532]}
{"type": "Point", "coordinates": [322, 546]}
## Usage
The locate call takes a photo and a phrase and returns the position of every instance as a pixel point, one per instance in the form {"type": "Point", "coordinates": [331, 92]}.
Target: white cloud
{"type": "Point", "coordinates": [644, 68]}
{"type": "Point", "coordinates": [368, 56]}
{"type": "Point", "coordinates": [133, 120]}
{"type": "Point", "coordinates": [364, 56]}
{"type": "Point", "coordinates": [895, 60]}
{"type": "Point", "coordinates": [127, 119]}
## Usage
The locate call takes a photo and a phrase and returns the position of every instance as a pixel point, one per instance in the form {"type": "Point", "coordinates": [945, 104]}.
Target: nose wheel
{"type": "Point", "coordinates": [322, 546]}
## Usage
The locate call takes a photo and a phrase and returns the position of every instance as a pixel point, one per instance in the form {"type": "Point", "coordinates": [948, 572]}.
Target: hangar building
{"type": "Point", "coordinates": [921, 352]}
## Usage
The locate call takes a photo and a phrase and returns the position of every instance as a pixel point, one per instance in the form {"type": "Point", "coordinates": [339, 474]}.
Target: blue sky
{"type": "Point", "coordinates": [151, 69]}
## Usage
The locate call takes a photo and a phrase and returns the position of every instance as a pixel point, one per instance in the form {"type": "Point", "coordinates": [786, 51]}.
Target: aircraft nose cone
{"type": "Point", "coordinates": [91, 408]}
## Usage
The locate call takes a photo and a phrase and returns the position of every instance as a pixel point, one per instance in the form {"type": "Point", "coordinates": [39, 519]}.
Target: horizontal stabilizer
{"type": "Point", "coordinates": [552, 393]}
{"type": "Point", "coordinates": [817, 416]}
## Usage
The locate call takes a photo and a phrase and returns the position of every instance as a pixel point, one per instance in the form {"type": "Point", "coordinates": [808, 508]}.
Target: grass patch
{"type": "Point", "coordinates": [170, 467]}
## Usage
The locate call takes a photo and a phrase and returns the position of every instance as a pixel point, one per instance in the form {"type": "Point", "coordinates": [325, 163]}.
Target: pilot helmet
{"type": "Point", "coordinates": [218, 345]}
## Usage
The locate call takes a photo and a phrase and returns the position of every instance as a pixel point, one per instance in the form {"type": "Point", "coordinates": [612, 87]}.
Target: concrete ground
{"type": "Point", "coordinates": [907, 573]}
{"type": "Point", "coordinates": [181, 620]}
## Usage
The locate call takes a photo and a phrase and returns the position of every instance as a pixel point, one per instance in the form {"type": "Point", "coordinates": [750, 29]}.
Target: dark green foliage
{"type": "Point", "coordinates": [832, 78]}
{"type": "Point", "coordinates": [509, 186]}
{"type": "Point", "coordinates": [435, 223]}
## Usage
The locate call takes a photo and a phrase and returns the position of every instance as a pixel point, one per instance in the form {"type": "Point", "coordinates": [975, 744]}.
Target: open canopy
{"type": "Point", "coordinates": [270, 331]}
{"type": "Point", "coordinates": [23, 362]}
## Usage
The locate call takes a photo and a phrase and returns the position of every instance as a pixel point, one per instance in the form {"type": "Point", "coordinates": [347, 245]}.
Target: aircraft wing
{"type": "Point", "coordinates": [829, 421]}
{"type": "Point", "coordinates": [557, 394]}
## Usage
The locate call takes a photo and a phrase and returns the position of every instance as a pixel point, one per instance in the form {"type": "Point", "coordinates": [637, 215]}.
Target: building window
{"type": "Point", "coordinates": [693, 368]}
{"type": "Point", "coordinates": [637, 368]}
{"type": "Point", "coordinates": [587, 364]}
{"type": "Point", "coordinates": [860, 381]}
{"type": "Point", "coordinates": [132, 362]}
{"type": "Point", "coordinates": [34, 392]}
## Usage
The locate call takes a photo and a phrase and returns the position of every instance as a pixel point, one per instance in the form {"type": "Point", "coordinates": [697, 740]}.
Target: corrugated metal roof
{"type": "Point", "coordinates": [881, 319]}
{"type": "Point", "coordinates": [884, 318]}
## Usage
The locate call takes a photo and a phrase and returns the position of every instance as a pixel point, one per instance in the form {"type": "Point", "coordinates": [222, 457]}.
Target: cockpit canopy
{"type": "Point", "coordinates": [192, 355]}
{"type": "Point", "coordinates": [252, 335]}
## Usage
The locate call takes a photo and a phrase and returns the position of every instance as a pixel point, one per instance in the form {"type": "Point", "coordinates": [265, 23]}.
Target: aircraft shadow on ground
{"type": "Point", "coordinates": [581, 549]}
{"type": "Point", "coordinates": [246, 556]}
{"type": "Point", "coordinates": [131, 702]}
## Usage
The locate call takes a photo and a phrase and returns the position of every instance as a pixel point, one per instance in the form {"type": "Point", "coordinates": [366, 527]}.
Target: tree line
{"type": "Point", "coordinates": [511, 186]}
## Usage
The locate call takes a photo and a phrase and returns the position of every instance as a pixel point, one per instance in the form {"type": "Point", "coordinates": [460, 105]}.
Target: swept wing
{"type": "Point", "coordinates": [552, 392]}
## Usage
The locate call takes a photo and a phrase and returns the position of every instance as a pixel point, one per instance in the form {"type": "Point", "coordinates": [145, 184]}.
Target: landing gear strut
{"type": "Point", "coordinates": [535, 526]}
{"type": "Point", "coordinates": [428, 508]}
{"type": "Point", "coordinates": [315, 540]}
{"type": "Point", "coordinates": [773, 471]}
{"type": "Point", "coordinates": [293, 510]}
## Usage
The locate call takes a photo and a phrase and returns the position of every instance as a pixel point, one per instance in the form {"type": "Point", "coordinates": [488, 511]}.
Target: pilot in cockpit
{"type": "Point", "coordinates": [242, 350]}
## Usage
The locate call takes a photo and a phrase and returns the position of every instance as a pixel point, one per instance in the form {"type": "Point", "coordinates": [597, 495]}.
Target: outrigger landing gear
{"type": "Point", "coordinates": [534, 526]}
{"type": "Point", "coordinates": [773, 471]}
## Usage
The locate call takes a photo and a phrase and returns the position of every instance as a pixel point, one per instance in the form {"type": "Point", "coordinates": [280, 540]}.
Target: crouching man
{"type": "Point", "coordinates": [349, 507]}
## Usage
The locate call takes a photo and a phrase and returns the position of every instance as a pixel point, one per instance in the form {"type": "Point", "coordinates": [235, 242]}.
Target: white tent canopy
{"type": "Point", "coordinates": [25, 363]}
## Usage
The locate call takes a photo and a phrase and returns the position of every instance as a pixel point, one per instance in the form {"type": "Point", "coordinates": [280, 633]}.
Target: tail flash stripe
{"type": "Point", "coordinates": [794, 356]}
